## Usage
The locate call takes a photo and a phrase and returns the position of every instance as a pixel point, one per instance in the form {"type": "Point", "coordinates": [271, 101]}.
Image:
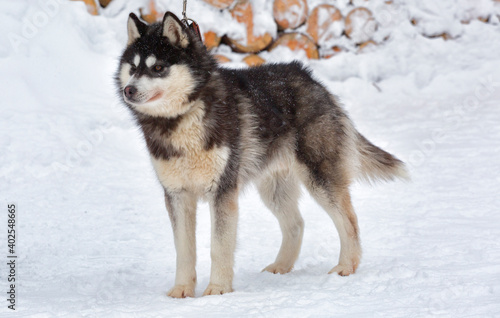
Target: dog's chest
{"type": "Point", "coordinates": [195, 169]}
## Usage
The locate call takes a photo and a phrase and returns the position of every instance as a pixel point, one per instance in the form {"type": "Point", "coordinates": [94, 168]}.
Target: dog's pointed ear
{"type": "Point", "coordinates": [174, 30]}
{"type": "Point", "coordinates": [136, 28]}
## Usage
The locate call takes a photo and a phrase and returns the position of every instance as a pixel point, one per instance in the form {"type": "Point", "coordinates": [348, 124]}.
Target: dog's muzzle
{"type": "Point", "coordinates": [130, 92]}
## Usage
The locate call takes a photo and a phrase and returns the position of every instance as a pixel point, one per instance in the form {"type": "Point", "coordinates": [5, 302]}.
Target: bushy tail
{"type": "Point", "coordinates": [377, 164]}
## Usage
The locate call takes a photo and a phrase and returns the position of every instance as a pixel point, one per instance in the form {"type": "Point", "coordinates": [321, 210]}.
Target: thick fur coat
{"type": "Point", "coordinates": [210, 131]}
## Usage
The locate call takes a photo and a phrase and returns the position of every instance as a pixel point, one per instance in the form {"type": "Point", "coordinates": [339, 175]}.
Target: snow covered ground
{"type": "Point", "coordinates": [94, 237]}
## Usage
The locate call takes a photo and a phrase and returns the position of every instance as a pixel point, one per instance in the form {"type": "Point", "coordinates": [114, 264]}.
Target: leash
{"type": "Point", "coordinates": [193, 26]}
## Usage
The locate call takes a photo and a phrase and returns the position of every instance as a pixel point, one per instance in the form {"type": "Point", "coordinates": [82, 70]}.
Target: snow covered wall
{"type": "Point", "coordinates": [94, 238]}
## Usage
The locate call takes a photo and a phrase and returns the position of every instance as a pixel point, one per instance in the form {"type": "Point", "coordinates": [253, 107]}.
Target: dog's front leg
{"type": "Point", "coordinates": [181, 208]}
{"type": "Point", "coordinates": [224, 216]}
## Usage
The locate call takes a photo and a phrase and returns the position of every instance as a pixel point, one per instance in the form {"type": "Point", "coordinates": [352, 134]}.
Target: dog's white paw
{"type": "Point", "coordinates": [278, 268]}
{"type": "Point", "coordinates": [213, 289]}
{"type": "Point", "coordinates": [343, 270]}
{"type": "Point", "coordinates": [181, 291]}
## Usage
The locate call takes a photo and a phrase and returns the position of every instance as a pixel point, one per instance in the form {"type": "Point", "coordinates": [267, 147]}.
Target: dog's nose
{"type": "Point", "coordinates": [130, 91]}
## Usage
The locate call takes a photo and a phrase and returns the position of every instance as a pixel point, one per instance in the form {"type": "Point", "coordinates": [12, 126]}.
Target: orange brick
{"type": "Point", "coordinates": [211, 39]}
{"type": "Point", "coordinates": [243, 13]}
{"type": "Point", "coordinates": [324, 23]}
{"type": "Point", "coordinates": [221, 4]}
{"type": "Point", "coordinates": [151, 14]}
{"type": "Point", "coordinates": [222, 58]}
{"type": "Point", "coordinates": [253, 60]}
{"type": "Point", "coordinates": [297, 41]}
{"type": "Point", "coordinates": [290, 14]}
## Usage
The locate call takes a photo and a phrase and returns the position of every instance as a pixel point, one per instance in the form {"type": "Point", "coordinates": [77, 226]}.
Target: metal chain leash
{"type": "Point", "coordinates": [184, 17]}
{"type": "Point", "coordinates": [193, 26]}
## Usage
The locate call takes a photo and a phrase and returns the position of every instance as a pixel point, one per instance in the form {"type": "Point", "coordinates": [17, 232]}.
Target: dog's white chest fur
{"type": "Point", "coordinates": [196, 169]}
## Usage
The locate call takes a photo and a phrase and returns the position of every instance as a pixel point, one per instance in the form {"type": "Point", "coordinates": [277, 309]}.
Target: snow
{"type": "Point", "coordinates": [362, 25]}
{"type": "Point", "coordinates": [263, 18]}
{"type": "Point", "coordinates": [94, 237]}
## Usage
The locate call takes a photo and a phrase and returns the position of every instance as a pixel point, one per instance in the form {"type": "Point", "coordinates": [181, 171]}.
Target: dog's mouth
{"type": "Point", "coordinates": [140, 100]}
{"type": "Point", "coordinates": [156, 96]}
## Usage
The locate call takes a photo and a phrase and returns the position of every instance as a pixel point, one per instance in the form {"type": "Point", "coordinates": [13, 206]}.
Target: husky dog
{"type": "Point", "coordinates": [211, 130]}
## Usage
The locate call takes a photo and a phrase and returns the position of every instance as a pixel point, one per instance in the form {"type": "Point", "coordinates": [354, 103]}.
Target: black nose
{"type": "Point", "coordinates": [130, 91]}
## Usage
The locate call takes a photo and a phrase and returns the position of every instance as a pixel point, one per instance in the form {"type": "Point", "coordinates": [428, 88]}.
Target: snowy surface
{"type": "Point", "coordinates": [94, 237]}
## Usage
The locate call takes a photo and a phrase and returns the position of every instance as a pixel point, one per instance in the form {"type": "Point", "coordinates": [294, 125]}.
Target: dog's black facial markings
{"type": "Point", "coordinates": [133, 69]}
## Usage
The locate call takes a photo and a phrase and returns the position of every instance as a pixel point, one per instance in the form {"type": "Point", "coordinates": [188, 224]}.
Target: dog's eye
{"type": "Point", "coordinates": [133, 69]}
{"type": "Point", "coordinates": [158, 68]}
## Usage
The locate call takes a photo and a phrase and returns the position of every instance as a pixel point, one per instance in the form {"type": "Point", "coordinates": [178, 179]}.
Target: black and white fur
{"type": "Point", "coordinates": [211, 130]}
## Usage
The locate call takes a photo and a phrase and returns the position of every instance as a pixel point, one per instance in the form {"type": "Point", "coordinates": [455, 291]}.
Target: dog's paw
{"type": "Point", "coordinates": [343, 270]}
{"type": "Point", "coordinates": [213, 289]}
{"type": "Point", "coordinates": [181, 291]}
{"type": "Point", "coordinates": [277, 268]}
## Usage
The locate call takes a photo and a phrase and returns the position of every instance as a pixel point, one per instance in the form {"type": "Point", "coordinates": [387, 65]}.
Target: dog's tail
{"type": "Point", "coordinates": [377, 164]}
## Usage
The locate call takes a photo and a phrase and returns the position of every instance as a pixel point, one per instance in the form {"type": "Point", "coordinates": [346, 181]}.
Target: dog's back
{"type": "Point", "coordinates": [289, 112]}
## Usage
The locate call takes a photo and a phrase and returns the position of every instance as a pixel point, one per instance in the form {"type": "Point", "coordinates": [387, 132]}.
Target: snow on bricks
{"type": "Point", "coordinates": [290, 14]}
{"type": "Point", "coordinates": [211, 39]}
{"type": "Point", "coordinates": [91, 6]}
{"type": "Point", "coordinates": [221, 4]}
{"type": "Point", "coordinates": [243, 12]}
{"type": "Point", "coordinates": [321, 29]}
{"type": "Point", "coordinates": [150, 14]}
{"type": "Point", "coordinates": [297, 41]}
{"type": "Point", "coordinates": [360, 25]}
{"type": "Point", "coordinates": [253, 60]}
{"type": "Point", "coordinates": [325, 23]}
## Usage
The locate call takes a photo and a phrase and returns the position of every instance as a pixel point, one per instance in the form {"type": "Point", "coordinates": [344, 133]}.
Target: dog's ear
{"type": "Point", "coordinates": [136, 28]}
{"type": "Point", "coordinates": [174, 30]}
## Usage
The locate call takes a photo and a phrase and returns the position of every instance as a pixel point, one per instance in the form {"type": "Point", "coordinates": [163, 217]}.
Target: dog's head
{"type": "Point", "coordinates": [162, 68]}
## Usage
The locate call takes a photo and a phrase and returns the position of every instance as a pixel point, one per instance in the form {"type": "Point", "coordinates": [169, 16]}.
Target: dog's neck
{"type": "Point", "coordinates": [168, 126]}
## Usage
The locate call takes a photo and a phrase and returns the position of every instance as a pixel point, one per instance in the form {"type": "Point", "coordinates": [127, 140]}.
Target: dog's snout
{"type": "Point", "coordinates": [130, 91]}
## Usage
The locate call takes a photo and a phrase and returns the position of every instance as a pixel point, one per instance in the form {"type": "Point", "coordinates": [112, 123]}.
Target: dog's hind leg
{"type": "Point", "coordinates": [326, 151]}
{"type": "Point", "coordinates": [280, 192]}
{"type": "Point", "coordinates": [346, 222]}
{"type": "Point", "coordinates": [336, 201]}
